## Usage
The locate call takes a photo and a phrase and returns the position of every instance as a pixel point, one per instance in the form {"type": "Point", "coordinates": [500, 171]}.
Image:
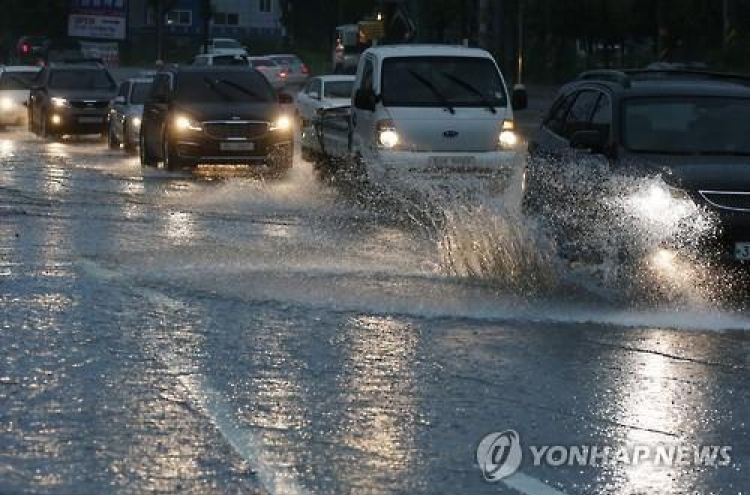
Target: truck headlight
{"type": "Point", "coordinates": [281, 124]}
{"type": "Point", "coordinates": [387, 135]}
{"type": "Point", "coordinates": [183, 123]}
{"type": "Point", "coordinates": [59, 102]}
{"type": "Point", "coordinates": [508, 139]}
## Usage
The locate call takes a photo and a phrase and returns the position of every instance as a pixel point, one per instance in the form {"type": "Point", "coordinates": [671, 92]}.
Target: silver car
{"type": "Point", "coordinates": [272, 70]}
{"type": "Point", "coordinates": [297, 73]}
{"type": "Point", "coordinates": [125, 113]}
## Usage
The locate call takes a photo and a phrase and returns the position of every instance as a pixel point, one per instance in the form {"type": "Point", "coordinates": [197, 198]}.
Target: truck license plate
{"type": "Point", "coordinates": [242, 146]}
{"type": "Point", "coordinates": [742, 251]}
{"type": "Point", "coordinates": [452, 161]}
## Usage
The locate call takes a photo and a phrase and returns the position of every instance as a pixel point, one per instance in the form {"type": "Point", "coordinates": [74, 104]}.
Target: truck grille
{"type": "Point", "coordinates": [236, 129]}
{"type": "Point", "coordinates": [728, 200]}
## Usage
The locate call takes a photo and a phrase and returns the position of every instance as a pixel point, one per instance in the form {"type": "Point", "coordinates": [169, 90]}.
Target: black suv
{"type": "Point", "coordinates": [687, 130]}
{"type": "Point", "coordinates": [205, 115]}
{"type": "Point", "coordinates": [70, 98]}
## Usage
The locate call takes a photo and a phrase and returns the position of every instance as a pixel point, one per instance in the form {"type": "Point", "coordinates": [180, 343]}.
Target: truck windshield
{"type": "Point", "coordinates": [459, 81]}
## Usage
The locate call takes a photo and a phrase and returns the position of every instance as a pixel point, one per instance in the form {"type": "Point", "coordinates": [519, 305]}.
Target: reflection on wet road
{"type": "Point", "coordinates": [173, 334]}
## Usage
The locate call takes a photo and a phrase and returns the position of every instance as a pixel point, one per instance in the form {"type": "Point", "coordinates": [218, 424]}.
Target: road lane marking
{"type": "Point", "coordinates": [247, 444]}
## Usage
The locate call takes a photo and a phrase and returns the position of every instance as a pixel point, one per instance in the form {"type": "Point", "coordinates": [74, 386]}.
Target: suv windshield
{"type": "Point", "coordinates": [16, 80]}
{"type": "Point", "coordinates": [458, 81]}
{"type": "Point", "coordinates": [140, 92]}
{"type": "Point", "coordinates": [687, 125]}
{"type": "Point", "coordinates": [95, 79]}
{"type": "Point", "coordinates": [247, 87]}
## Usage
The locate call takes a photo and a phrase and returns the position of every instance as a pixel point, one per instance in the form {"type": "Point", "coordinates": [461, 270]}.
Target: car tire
{"type": "Point", "coordinates": [171, 160]}
{"type": "Point", "coordinates": [147, 159]}
{"type": "Point", "coordinates": [45, 131]}
{"type": "Point", "coordinates": [112, 141]}
{"type": "Point", "coordinates": [129, 146]}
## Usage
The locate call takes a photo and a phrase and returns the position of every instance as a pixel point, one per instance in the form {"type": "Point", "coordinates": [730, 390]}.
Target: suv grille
{"type": "Point", "coordinates": [88, 104]}
{"type": "Point", "coordinates": [728, 200]}
{"type": "Point", "coordinates": [236, 129]}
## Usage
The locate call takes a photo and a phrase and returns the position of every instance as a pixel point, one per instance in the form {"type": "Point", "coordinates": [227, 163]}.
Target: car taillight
{"type": "Point", "coordinates": [282, 75]}
{"type": "Point", "coordinates": [305, 70]}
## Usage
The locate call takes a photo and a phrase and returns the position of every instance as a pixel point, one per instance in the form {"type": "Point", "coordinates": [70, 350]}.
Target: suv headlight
{"type": "Point", "coordinates": [508, 139]}
{"type": "Point", "coordinates": [59, 102]}
{"type": "Point", "coordinates": [387, 135]}
{"type": "Point", "coordinates": [6, 103]}
{"type": "Point", "coordinates": [281, 124]}
{"type": "Point", "coordinates": [183, 123]}
{"type": "Point", "coordinates": [135, 121]}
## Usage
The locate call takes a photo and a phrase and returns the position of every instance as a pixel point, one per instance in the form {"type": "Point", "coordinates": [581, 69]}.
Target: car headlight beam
{"type": "Point", "coordinates": [59, 102]}
{"type": "Point", "coordinates": [508, 139]}
{"type": "Point", "coordinates": [387, 135]}
{"type": "Point", "coordinates": [281, 124]}
{"type": "Point", "coordinates": [184, 124]}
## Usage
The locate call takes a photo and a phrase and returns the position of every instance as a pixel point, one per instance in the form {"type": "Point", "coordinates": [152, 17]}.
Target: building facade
{"type": "Point", "coordinates": [231, 19]}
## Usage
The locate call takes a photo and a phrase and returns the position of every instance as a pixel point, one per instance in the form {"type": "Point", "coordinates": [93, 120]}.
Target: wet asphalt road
{"type": "Point", "coordinates": [167, 333]}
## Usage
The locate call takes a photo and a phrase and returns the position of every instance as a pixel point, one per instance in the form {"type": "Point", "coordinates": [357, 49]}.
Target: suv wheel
{"type": "Point", "coordinates": [147, 159]}
{"type": "Point", "coordinates": [112, 141]}
{"type": "Point", "coordinates": [171, 160]}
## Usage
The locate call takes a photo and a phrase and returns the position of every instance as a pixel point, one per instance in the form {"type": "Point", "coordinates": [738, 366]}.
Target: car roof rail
{"type": "Point", "coordinates": [663, 73]}
{"type": "Point", "coordinates": [609, 75]}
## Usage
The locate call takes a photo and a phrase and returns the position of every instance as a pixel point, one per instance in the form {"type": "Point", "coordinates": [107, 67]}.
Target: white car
{"type": "Point", "coordinates": [14, 93]}
{"type": "Point", "coordinates": [273, 71]}
{"type": "Point", "coordinates": [323, 92]}
{"type": "Point", "coordinates": [228, 46]}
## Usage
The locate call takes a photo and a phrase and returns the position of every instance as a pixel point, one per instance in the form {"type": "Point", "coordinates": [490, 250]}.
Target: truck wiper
{"type": "Point", "coordinates": [434, 90]}
{"type": "Point", "coordinates": [472, 88]}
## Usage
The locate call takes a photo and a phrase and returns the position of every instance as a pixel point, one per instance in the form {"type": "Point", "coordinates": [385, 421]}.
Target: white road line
{"type": "Point", "coordinates": [247, 444]}
{"type": "Point", "coordinates": [529, 486]}
{"type": "Point", "coordinates": [244, 441]}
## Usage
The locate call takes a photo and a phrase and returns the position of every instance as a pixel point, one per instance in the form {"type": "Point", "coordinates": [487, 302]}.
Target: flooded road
{"type": "Point", "coordinates": [173, 333]}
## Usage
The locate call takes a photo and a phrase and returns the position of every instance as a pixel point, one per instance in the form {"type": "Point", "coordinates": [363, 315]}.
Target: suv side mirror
{"type": "Point", "coordinates": [119, 100]}
{"type": "Point", "coordinates": [520, 98]}
{"type": "Point", "coordinates": [365, 99]}
{"type": "Point", "coordinates": [589, 139]}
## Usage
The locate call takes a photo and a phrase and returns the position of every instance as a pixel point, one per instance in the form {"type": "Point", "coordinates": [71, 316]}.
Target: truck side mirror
{"type": "Point", "coordinates": [520, 97]}
{"type": "Point", "coordinates": [365, 99]}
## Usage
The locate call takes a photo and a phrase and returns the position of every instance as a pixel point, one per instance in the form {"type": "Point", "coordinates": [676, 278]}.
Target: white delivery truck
{"type": "Point", "coordinates": [421, 111]}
